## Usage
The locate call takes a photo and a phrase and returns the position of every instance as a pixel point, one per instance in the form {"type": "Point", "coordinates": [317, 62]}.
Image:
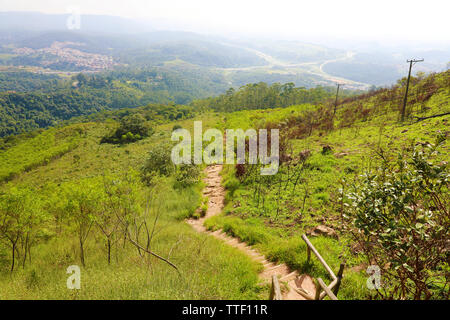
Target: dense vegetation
{"type": "Point", "coordinates": [401, 221]}
{"type": "Point", "coordinates": [86, 94]}
{"type": "Point", "coordinates": [82, 95]}
{"type": "Point", "coordinates": [26, 81]}
{"type": "Point", "coordinates": [261, 96]}
{"type": "Point", "coordinates": [37, 150]}
{"type": "Point", "coordinates": [132, 128]}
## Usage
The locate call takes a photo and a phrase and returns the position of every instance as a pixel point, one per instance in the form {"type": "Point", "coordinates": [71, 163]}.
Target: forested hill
{"type": "Point", "coordinates": [262, 96]}
{"type": "Point", "coordinates": [50, 101]}
{"type": "Point", "coordinates": [29, 101]}
{"type": "Point", "coordinates": [43, 101]}
{"type": "Point", "coordinates": [422, 88]}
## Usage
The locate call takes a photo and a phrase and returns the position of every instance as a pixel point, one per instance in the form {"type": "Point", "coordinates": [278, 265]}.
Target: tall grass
{"type": "Point", "coordinates": [208, 268]}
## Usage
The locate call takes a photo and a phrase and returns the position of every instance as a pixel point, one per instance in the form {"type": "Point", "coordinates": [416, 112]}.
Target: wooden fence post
{"type": "Point", "coordinates": [317, 254]}
{"type": "Point", "coordinates": [339, 278]}
{"type": "Point", "coordinates": [275, 293]}
{"type": "Point", "coordinates": [316, 283]}
{"type": "Point", "coordinates": [326, 289]}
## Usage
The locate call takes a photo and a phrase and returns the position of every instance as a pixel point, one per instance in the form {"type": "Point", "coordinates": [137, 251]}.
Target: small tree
{"type": "Point", "coordinates": [106, 217]}
{"type": "Point", "coordinates": [119, 207]}
{"type": "Point", "coordinates": [401, 219]}
{"type": "Point", "coordinates": [132, 128]}
{"type": "Point", "coordinates": [158, 163]}
{"type": "Point", "coordinates": [83, 200]}
{"type": "Point", "coordinates": [20, 218]}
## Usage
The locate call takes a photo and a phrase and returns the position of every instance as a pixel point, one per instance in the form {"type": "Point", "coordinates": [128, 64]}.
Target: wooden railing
{"type": "Point", "coordinates": [322, 289]}
{"type": "Point", "coordinates": [275, 292]}
{"type": "Point", "coordinates": [332, 289]}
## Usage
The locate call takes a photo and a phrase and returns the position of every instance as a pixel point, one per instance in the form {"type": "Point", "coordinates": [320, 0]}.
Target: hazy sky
{"type": "Point", "coordinates": [382, 19]}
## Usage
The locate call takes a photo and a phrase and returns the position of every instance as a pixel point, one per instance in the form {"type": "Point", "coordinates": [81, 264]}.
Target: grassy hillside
{"type": "Point", "coordinates": [208, 269]}
{"type": "Point", "coordinates": [68, 199]}
{"type": "Point", "coordinates": [312, 184]}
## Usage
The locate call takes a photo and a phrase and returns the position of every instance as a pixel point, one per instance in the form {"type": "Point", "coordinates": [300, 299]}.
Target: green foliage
{"type": "Point", "coordinates": [107, 190]}
{"type": "Point", "coordinates": [29, 153]}
{"type": "Point", "coordinates": [158, 163]}
{"type": "Point", "coordinates": [26, 81]}
{"type": "Point", "coordinates": [262, 96]}
{"type": "Point", "coordinates": [50, 103]}
{"type": "Point", "coordinates": [20, 222]}
{"type": "Point", "coordinates": [311, 194]}
{"type": "Point", "coordinates": [132, 128]}
{"type": "Point", "coordinates": [270, 215]}
{"type": "Point", "coordinates": [187, 175]}
{"type": "Point", "coordinates": [400, 213]}
{"type": "Point", "coordinates": [176, 127]}
{"type": "Point", "coordinates": [83, 202]}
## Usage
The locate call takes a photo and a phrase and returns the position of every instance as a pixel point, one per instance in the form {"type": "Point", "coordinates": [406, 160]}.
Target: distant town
{"type": "Point", "coordinates": [62, 52]}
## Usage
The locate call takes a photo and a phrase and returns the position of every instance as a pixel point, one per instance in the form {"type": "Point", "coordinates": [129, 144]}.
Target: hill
{"type": "Point", "coordinates": [39, 101]}
{"type": "Point", "coordinates": [42, 101]}
{"type": "Point", "coordinates": [95, 204]}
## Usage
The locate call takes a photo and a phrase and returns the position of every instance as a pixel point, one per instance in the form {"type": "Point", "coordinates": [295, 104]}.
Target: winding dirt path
{"type": "Point", "coordinates": [216, 193]}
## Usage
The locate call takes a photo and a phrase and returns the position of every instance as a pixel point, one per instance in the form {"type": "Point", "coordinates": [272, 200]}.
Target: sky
{"type": "Point", "coordinates": [394, 20]}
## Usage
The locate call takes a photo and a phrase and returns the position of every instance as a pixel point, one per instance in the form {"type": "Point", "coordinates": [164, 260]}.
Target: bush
{"type": "Point", "coordinates": [187, 175]}
{"type": "Point", "coordinates": [401, 220]}
{"type": "Point", "coordinates": [132, 128]}
{"type": "Point", "coordinates": [176, 127]}
{"type": "Point", "coordinates": [159, 163]}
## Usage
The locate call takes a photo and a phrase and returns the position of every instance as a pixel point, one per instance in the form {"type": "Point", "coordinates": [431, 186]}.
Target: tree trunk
{"type": "Point", "coordinates": [25, 251]}
{"type": "Point", "coordinates": [13, 256]}
{"type": "Point", "coordinates": [109, 251]}
{"type": "Point", "coordinates": [82, 252]}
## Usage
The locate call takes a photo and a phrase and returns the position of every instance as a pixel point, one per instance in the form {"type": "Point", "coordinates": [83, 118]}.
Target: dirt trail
{"type": "Point", "coordinates": [216, 194]}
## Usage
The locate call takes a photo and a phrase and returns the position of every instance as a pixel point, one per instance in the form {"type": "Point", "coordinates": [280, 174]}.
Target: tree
{"type": "Point", "coordinates": [83, 203]}
{"type": "Point", "coordinates": [118, 207]}
{"type": "Point", "coordinates": [187, 175]}
{"type": "Point", "coordinates": [132, 128]}
{"type": "Point", "coordinates": [20, 218]}
{"type": "Point", "coordinates": [158, 163]}
{"type": "Point", "coordinates": [81, 78]}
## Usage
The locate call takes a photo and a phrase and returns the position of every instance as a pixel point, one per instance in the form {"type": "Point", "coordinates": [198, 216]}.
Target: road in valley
{"type": "Point", "coordinates": [313, 68]}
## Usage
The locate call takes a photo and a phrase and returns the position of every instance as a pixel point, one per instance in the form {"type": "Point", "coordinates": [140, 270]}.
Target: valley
{"type": "Point", "coordinates": [282, 158]}
{"type": "Point", "coordinates": [224, 251]}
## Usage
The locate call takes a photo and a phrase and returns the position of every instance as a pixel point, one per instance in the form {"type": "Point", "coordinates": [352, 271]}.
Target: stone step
{"type": "Point", "coordinates": [275, 267]}
{"type": "Point", "coordinates": [289, 276]}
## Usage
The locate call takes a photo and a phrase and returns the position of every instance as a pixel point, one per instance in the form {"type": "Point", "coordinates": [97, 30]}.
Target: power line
{"type": "Point", "coordinates": [411, 63]}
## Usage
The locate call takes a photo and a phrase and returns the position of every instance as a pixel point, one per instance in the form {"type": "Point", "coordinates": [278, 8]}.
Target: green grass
{"type": "Point", "coordinates": [36, 151]}
{"type": "Point", "coordinates": [209, 269]}
{"type": "Point", "coordinates": [316, 200]}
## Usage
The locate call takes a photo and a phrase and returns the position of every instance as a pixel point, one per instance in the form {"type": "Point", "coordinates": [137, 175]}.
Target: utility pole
{"type": "Point", "coordinates": [337, 94]}
{"type": "Point", "coordinates": [411, 63]}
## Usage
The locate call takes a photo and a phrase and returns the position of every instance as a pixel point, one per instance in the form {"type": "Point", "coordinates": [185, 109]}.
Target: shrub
{"type": "Point", "coordinates": [187, 175]}
{"type": "Point", "coordinates": [132, 128]}
{"type": "Point", "coordinates": [158, 163]}
{"type": "Point", "coordinates": [176, 127]}
{"type": "Point", "coordinates": [401, 220]}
